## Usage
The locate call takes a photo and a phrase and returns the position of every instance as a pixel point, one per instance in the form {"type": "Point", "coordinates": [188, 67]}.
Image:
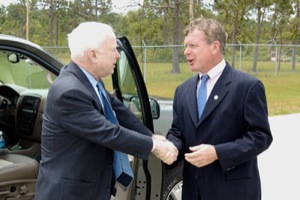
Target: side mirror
{"type": "Point", "coordinates": [135, 107]}
{"type": "Point", "coordinates": [155, 109]}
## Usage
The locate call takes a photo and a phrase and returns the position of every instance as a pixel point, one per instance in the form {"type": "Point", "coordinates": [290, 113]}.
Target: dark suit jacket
{"type": "Point", "coordinates": [78, 141]}
{"type": "Point", "coordinates": [235, 121]}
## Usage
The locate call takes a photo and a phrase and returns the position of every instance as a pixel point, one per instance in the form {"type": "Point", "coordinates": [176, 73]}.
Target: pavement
{"type": "Point", "coordinates": [279, 165]}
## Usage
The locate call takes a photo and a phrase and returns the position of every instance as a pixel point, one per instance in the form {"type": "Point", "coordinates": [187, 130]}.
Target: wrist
{"type": "Point", "coordinates": [153, 145]}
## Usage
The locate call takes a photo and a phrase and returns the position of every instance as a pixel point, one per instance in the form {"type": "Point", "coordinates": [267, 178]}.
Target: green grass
{"type": "Point", "coordinates": [283, 92]}
{"type": "Point", "coordinates": [282, 87]}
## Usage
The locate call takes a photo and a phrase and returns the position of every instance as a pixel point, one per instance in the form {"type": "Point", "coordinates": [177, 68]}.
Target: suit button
{"type": "Point", "coordinates": [108, 189]}
{"type": "Point", "coordinates": [196, 177]}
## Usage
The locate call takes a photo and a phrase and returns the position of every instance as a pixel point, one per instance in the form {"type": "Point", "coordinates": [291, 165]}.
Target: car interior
{"type": "Point", "coordinates": [21, 110]}
{"type": "Point", "coordinates": [24, 86]}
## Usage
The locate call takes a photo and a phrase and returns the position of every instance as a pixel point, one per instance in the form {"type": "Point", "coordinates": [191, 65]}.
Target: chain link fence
{"type": "Point", "coordinates": [271, 58]}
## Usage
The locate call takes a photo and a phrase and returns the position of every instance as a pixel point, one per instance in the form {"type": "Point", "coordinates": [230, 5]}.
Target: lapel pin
{"type": "Point", "coordinates": [216, 97]}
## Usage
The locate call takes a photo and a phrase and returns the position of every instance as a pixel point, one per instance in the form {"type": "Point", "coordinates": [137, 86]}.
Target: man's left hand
{"type": "Point", "coordinates": [201, 155]}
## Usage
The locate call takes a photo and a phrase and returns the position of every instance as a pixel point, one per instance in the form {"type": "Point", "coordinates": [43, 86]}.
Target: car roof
{"type": "Point", "coordinates": [14, 39]}
{"type": "Point", "coordinates": [33, 50]}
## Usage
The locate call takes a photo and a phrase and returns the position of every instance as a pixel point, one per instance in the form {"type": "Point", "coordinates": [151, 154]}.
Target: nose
{"type": "Point", "coordinates": [118, 55]}
{"type": "Point", "coordinates": [186, 51]}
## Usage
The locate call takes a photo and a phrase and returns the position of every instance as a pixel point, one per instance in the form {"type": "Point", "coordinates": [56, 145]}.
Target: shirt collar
{"type": "Point", "coordinates": [92, 79]}
{"type": "Point", "coordinates": [215, 71]}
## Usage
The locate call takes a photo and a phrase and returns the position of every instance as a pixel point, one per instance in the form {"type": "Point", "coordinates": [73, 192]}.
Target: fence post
{"type": "Point", "coordinates": [144, 59]}
{"type": "Point", "coordinates": [240, 67]}
{"type": "Point", "coordinates": [275, 67]}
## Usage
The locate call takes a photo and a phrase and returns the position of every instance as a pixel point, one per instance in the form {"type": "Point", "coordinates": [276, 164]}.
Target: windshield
{"type": "Point", "coordinates": [20, 70]}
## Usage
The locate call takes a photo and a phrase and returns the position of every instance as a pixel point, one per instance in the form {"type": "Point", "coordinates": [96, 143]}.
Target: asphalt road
{"type": "Point", "coordinates": [279, 165]}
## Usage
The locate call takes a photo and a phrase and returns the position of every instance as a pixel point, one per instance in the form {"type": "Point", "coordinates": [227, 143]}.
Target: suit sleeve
{"type": "Point", "coordinates": [174, 134]}
{"type": "Point", "coordinates": [80, 116]}
{"type": "Point", "coordinates": [256, 137]}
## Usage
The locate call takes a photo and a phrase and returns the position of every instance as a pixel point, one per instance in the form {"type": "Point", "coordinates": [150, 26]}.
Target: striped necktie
{"type": "Point", "coordinates": [122, 170]}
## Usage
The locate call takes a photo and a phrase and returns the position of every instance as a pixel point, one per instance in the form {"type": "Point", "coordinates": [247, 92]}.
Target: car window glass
{"type": "Point", "coordinates": [127, 85]}
{"type": "Point", "coordinates": [20, 70]}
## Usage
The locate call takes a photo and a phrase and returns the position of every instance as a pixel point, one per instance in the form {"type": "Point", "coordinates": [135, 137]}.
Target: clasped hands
{"type": "Point", "coordinates": [200, 155]}
{"type": "Point", "coordinates": [164, 149]}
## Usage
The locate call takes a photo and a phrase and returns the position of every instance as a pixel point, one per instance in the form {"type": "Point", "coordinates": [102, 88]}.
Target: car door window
{"type": "Point", "coordinates": [127, 86]}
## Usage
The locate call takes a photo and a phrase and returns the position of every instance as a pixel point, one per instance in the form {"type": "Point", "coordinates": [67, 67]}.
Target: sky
{"type": "Point", "coordinates": [119, 6]}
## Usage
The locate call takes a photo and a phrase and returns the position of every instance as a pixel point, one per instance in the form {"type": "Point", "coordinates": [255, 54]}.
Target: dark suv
{"type": "Point", "coordinates": [26, 73]}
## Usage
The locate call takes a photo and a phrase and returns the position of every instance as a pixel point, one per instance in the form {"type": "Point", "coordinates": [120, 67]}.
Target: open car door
{"type": "Point", "coordinates": [129, 86]}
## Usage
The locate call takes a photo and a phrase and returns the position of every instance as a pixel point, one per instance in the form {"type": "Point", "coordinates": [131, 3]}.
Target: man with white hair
{"type": "Point", "coordinates": [78, 139]}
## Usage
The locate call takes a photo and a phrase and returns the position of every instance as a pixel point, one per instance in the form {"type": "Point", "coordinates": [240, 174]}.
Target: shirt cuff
{"type": "Point", "coordinates": [154, 145]}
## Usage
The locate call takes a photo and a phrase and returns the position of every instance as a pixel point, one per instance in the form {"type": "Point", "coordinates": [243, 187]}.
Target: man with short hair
{"type": "Point", "coordinates": [220, 121]}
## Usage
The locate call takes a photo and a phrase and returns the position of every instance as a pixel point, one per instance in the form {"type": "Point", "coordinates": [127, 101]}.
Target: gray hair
{"type": "Point", "coordinates": [88, 35]}
{"type": "Point", "coordinates": [213, 30]}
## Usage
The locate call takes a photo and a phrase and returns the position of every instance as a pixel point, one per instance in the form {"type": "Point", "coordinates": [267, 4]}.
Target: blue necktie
{"type": "Point", "coordinates": [122, 169]}
{"type": "Point", "coordinates": [201, 95]}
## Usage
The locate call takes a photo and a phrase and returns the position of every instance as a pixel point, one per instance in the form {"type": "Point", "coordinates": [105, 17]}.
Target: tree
{"type": "Point", "coordinates": [16, 18]}
{"type": "Point", "coordinates": [295, 41]}
{"type": "Point", "coordinates": [175, 60]}
{"type": "Point", "coordinates": [233, 14]}
{"type": "Point", "coordinates": [282, 12]}
{"type": "Point", "coordinates": [261, 7]}
{"type": "Point", "coordinates": [159, 22]}
{"type": "Point", "coordinates": [177, 6]}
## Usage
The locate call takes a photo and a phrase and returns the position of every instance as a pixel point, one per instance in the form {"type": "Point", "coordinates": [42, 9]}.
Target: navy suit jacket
{"type": "Point", "coordinates": [78, 141]}
{"type": "Point", "coordinates": [235, 121]}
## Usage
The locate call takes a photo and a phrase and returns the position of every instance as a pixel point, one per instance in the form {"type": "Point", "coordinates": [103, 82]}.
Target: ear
{"type": "Point", "coordinates": [92, 55]}
{"type": "Point", "coordinates": [215, 47]}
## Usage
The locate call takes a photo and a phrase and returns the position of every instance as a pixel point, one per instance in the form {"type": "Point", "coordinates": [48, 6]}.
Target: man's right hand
{"type": "Point", "coordinates": [164, 149]}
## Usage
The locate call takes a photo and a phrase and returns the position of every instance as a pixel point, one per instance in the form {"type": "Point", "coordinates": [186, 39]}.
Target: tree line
{"type": "Point", "coordinates": [158, 22]}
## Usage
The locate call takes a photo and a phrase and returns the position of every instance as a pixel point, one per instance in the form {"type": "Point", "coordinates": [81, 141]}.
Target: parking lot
{"type": "Point", "coordinates": [280, 165]}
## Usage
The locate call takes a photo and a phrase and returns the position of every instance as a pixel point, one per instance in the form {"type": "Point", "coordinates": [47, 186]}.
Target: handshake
{"type": "Point", "coordinates": [164, 150]}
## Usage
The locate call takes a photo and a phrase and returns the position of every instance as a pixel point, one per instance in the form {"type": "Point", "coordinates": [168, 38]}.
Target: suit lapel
{"type": "Point", "coordinates": [84, 80]}
{"type": "Point", "coordinates": [190, 100]}
{"type": "Point", "coordinates": [218, 93]}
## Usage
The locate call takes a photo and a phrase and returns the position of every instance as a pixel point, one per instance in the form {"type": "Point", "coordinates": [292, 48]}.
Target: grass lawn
{"type": "Point", "coordinates": [282, 87]}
